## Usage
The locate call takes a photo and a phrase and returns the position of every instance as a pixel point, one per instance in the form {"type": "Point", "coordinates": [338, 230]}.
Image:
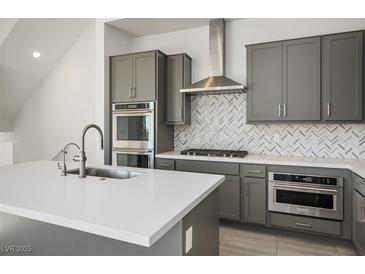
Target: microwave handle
{"type": "Point", "coordinates": [284, 187]}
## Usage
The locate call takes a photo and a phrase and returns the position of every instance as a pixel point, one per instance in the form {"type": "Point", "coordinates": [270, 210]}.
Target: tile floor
{"type": "Point", "coordinates": [247, 240]}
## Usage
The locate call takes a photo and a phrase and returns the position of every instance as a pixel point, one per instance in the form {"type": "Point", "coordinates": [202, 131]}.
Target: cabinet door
{"type": "Point", "coordinates": [254, 200]}
{"type": "Point", "coordinates": [229, 198]}
{"type": "Point", "coordinates": [144, 76]}
{"type": "Point", "coordinates": [342, 72]}
{"type": "Point", "coordinates": [264, 82]}
{"type": "Point", "coordinates": [121, 78]}
{"type": "Point", "coordinates": [302, 79]}
{"type": "Point", "coordinates": [175, 66]}
{"type": "Point", "coordinates": [358, 222]}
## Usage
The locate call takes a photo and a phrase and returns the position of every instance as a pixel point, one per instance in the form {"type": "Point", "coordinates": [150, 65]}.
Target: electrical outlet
{"type": "Point", "coordinates": [188, 239]}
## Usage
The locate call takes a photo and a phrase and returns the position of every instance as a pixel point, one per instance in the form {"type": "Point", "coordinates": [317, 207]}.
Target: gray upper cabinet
{"type": "Point", "coordinates": [342, 73]}
{"type": "Point", "coordinates": [121, 78]}
{"type": "Point", "coordinates": [229, 198]}
{"type": "Point", "coordinates": [302, 79]}
{"type": "Point", "coordinates": [178, 76]}
{"type": "Point", "coordinates": [264, 82]}
{"type": "Point", "coordinates": [133, 77]}
{"type": "Point", "coordinates": [144, 76]}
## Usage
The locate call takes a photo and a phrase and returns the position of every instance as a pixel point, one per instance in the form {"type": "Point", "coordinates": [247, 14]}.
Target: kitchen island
{"type": "Point", "coordinates": [156, 213]}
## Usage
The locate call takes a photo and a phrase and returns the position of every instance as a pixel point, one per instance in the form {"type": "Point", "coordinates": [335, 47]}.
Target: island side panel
{"type": "Point", "coordinates": [46, 239]}
{"type": "Point", "coordinates": [204, 220]}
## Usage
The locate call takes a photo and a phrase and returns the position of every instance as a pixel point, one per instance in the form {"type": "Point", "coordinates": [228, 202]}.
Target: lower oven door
{"type": "Point", "coordinates": [142, 159]}
{"type": "Point", "coordinates": [313, 201]}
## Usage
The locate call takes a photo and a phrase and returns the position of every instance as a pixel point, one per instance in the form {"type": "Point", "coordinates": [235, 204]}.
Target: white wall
{"type": "Point", "coordinates": [6, 148]}
{"type": "Point", "coordinates": [60, 108]}
{"type": "Point", "coordinates": [71, 97]}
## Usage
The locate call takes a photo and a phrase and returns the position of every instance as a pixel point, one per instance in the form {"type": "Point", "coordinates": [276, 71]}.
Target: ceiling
{"type": "Point", "coordinates": [20, 73]}
{"type": "Point", "coordinates": [136, 27]}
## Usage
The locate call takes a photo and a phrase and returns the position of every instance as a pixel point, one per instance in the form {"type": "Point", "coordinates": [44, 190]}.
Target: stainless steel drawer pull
{"type": "Point", "coordinates": [303, 225]}
{"type": "Point", "coordinates": [279, 110]}
{"type": "Point", "coordinates": [284, 110]}
{"type": "Point", "coordinates": [166, 165]}
{"type": "Point", "coordinates": [254, 171]}
{"type": "Point", "coordinates": [328, 109]}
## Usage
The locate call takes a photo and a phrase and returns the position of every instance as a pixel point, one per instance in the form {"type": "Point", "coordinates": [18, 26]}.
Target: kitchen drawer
{"type": "Point", "coordinates": [254, 171]}
{"type": "Point", "coordinates": [166, 164]}
{"type": "Point", "coordinates": [306, 223]}
{"type": "Point", "coordinates": [207, 167]}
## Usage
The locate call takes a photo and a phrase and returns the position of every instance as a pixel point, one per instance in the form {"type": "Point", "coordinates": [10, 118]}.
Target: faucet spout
{"type": "Point", "coordinates": [83, 157]}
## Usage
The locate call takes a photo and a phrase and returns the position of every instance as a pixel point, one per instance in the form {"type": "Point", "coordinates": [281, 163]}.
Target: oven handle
{"type": "Point", "coordinates": [132, 113]}
{"type": "Point", "coordinates": [332, 191]}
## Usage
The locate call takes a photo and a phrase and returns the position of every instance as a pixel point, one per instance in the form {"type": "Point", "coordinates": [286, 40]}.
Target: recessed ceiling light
{"type": "Point", "coordinates": [36, 54]}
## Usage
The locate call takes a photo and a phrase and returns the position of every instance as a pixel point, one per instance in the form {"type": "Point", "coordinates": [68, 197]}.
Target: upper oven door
{"type": "Point", "coordinates": [133, 129]}
{"type": "Point", "coordinates": [306, 200]}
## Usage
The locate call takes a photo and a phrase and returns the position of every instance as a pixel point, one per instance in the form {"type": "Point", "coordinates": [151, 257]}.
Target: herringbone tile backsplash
{"type": "Point", "coordinates": [219, 122]}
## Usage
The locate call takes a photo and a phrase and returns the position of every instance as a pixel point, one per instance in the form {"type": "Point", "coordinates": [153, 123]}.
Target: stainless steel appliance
{"type": "Point", "coordinates": [134, 158]}
{"type": "Point", "coordinates": [215, 152]}
{"type": "Point", "coordinates": [309, 195]}
{"type": "Point", "coordinates": [133, 134]}
{"type": "Point", "coordinates": [358, 229]}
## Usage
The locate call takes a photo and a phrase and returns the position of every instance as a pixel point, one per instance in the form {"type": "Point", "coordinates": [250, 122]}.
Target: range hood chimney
{"type": "Point", "coordinates": [217, 82]}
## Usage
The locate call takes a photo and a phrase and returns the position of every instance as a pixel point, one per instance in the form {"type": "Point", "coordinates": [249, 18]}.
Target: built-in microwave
{"type": "Point", "coordinates": [133, 126]}
{"type": "Point", "coordinates": [308, 195]}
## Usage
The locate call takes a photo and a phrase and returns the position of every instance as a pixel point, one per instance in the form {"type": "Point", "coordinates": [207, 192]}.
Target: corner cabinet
{"type": "Point", "coordinates": [283, 81]}
{"type": "Point", "coordinates": [178, 76]}
{"type": "Point", "coordinates": [342, 72]}
{"type": "Point", "coordinates": [134, 77]}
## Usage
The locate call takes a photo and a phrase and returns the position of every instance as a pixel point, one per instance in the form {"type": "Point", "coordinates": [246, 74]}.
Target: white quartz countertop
{"type": "Point", "coordinates": [138, 210]}
{"type": "Point", "coordinates": [356, 166]}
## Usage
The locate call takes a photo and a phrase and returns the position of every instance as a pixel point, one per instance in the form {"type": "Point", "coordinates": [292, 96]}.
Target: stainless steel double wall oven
{"type": "Point", "coordinates": [133, 134]}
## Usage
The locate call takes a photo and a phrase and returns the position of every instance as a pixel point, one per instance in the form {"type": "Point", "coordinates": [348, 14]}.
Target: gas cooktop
{"type": "Point", "coordinates": [215, 152]}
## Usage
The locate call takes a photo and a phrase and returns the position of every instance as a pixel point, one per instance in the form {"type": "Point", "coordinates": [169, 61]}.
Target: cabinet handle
{"type": "Point", "coordinates": [165, 165]}
{"type": "Point", "coordinates": [284, 106]}
{"type": "Point", "coordinates": [279, 110]}
{"type": "Point", "coordinates": [254, 171]}
{"type": "Point", "coordinates": [303, 225]}
{"type": "Point", "coordinates": [328, 109]}
{"type": "Point", "coordinates": [130, 92]}
{"type": "Point", "coordinates": [134, 92]}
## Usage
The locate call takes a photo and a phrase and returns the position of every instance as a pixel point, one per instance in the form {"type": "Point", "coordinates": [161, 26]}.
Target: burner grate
{"type": "Point", "coordinates": [215, 152]}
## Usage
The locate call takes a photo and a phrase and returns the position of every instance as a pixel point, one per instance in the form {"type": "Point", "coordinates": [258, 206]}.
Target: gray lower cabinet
{"type": "Point", "coordinates": [229, 198]}
{"type": "Point", "coordinates": [342, 73]}
{"type": "Point", "coordinates": [133, 77]}
{"type": "Point", "coordinates": [229, 190]}
{"type": "Point", "coordinates": [302, 79]}
{"type": "Point", "coordinates": [178, 76]}
{"type": "Point", "coordinates": [358, 214]}
{"type": "Point", "coordinates": [166, 164]}
{"type": "Point", "coordinates": [264, 82]}
{"type": "Point", "coordinates": [305, 223]}
{"type": "Point", "coordinates": [253, 192]}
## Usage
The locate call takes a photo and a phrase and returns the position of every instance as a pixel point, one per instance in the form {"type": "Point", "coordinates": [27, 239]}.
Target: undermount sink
{"type": "Point", "coordinates": [106, 173]}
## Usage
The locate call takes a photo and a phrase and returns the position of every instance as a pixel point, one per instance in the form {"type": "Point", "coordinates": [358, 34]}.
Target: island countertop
{"type": "Point", "coordinates": [139, 210]}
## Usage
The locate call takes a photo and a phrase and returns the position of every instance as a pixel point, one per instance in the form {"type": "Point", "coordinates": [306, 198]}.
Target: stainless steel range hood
{"type": "Point", "coordinates": [217, 82]}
